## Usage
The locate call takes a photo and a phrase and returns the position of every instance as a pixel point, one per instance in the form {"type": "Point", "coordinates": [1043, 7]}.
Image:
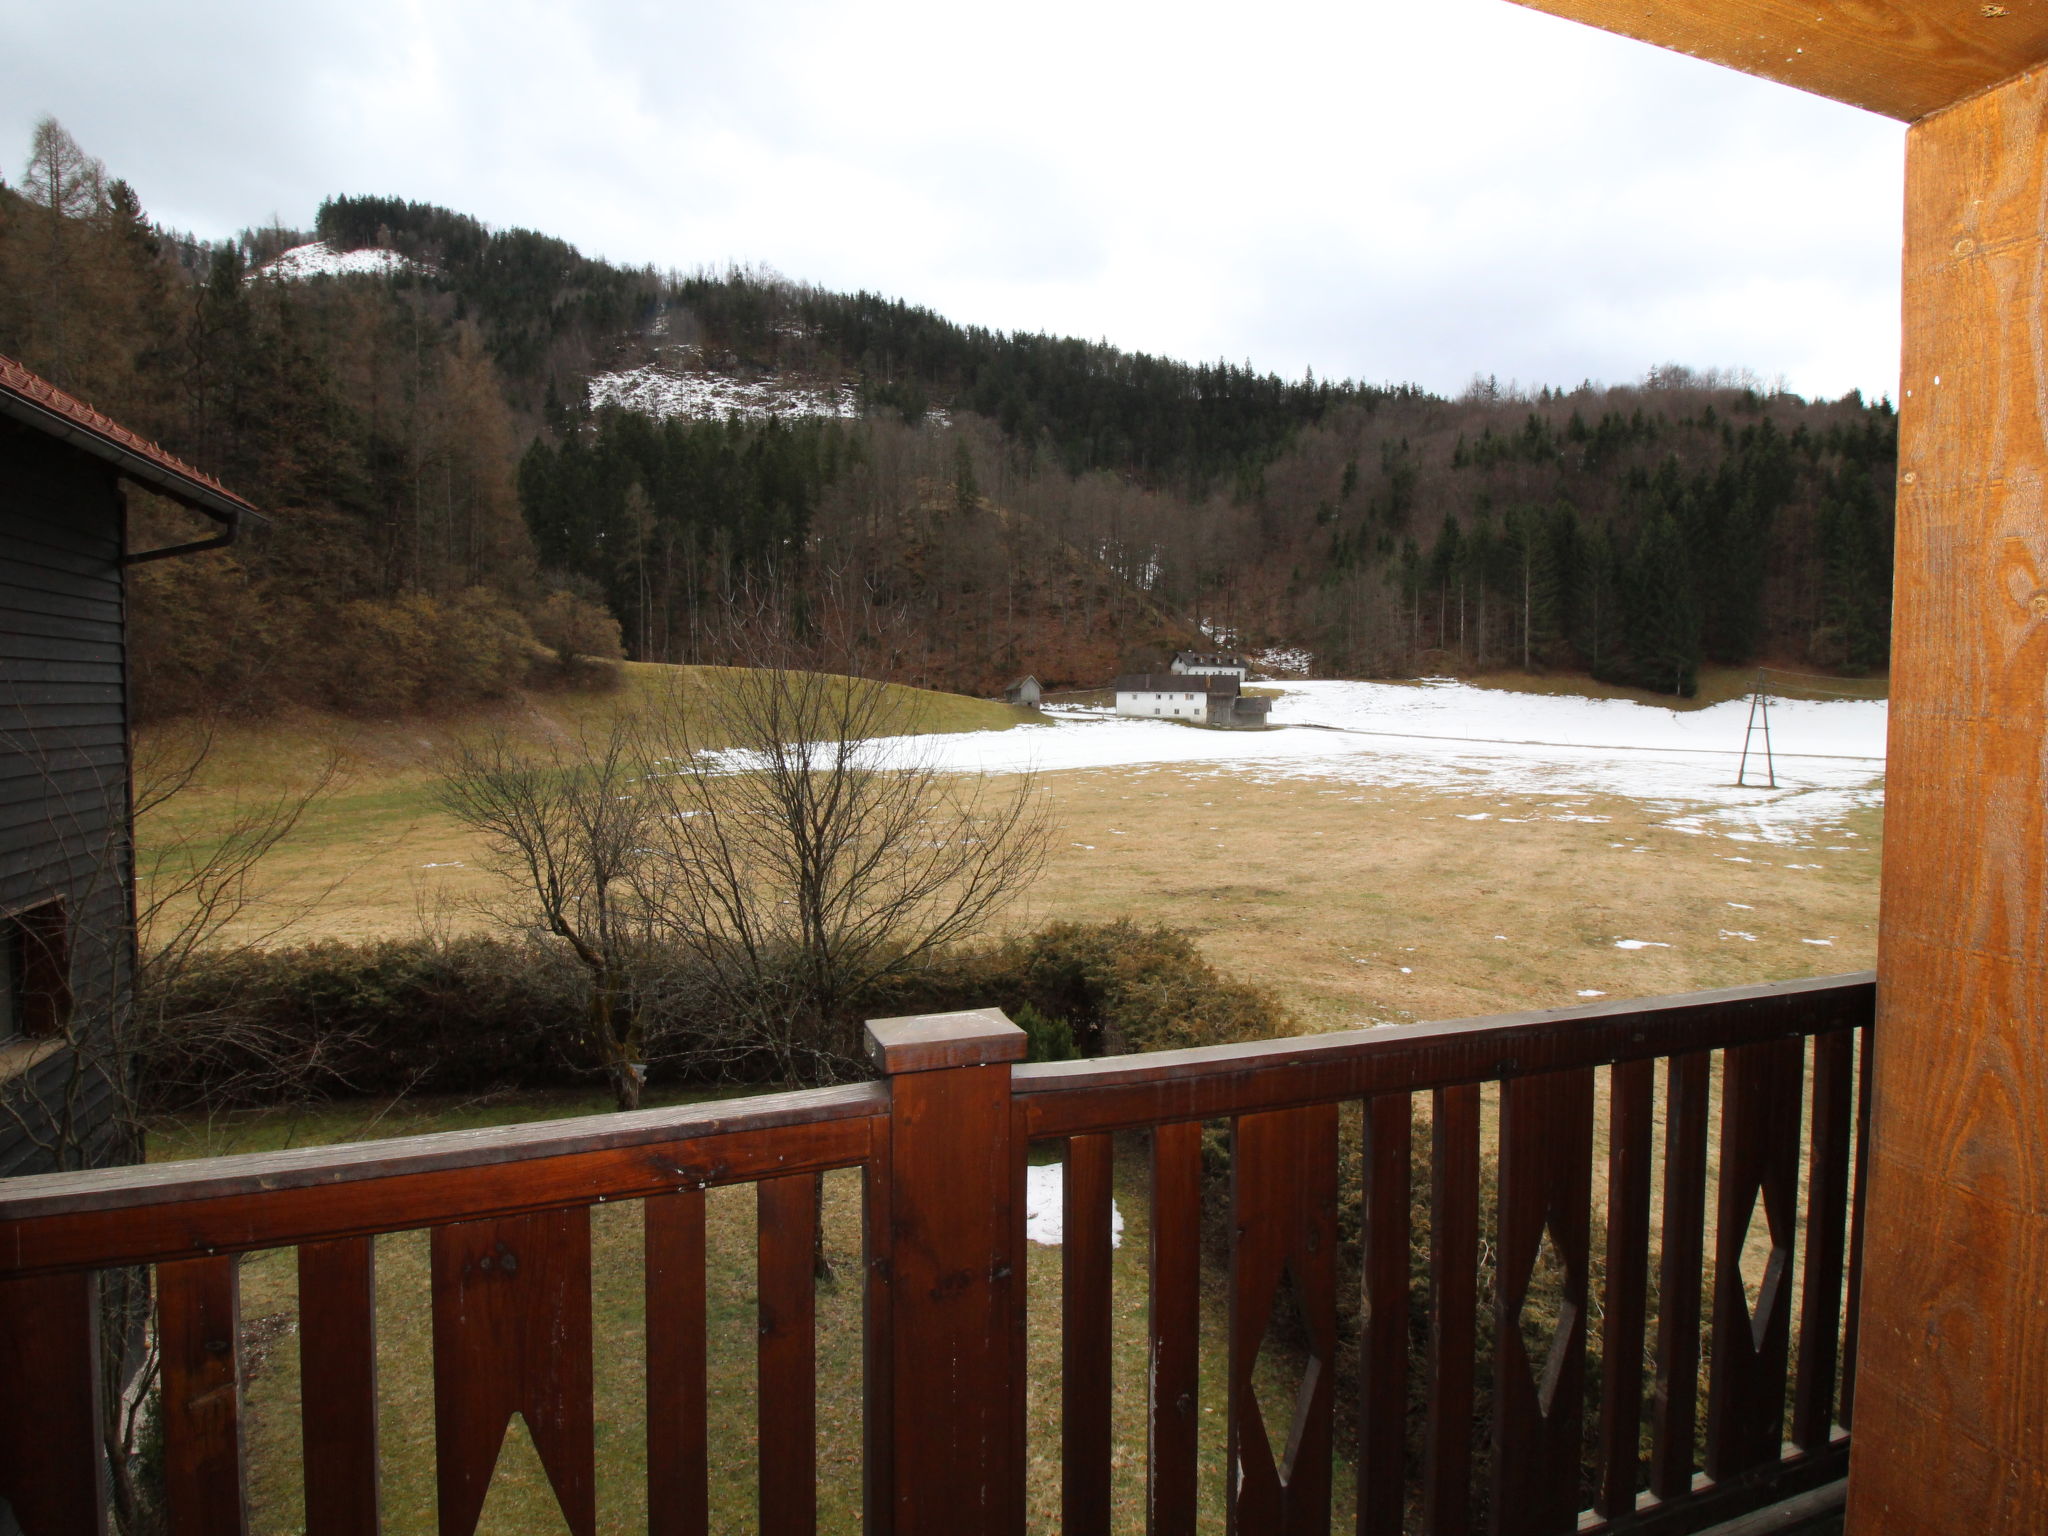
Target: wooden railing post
{"type": "Point", "coordinates": [51, 1469]}
{"type": "Point", "coordinates": [945, 1219]}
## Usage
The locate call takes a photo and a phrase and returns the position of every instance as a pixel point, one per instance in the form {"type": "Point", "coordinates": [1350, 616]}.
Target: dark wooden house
{"type": "Point", "coordinates": [67, 943]}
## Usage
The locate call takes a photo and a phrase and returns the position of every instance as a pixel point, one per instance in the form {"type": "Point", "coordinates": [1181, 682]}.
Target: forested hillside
{"type": "Point", "coordinates": [446, 507]}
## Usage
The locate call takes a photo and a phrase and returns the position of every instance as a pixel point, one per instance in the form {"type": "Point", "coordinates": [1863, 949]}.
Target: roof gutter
{"type": "Point", "coordinates": [133, 466]}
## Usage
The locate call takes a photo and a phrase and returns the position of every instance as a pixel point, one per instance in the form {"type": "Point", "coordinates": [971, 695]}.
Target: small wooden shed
{"type": "Point", "coordinates": [1025, 690]}
{"type": "Point", "coordinates": [67, 928]}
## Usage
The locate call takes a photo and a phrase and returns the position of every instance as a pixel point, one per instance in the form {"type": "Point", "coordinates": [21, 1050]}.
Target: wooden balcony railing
{"type": "Point", "coordinates": [942, 1143]}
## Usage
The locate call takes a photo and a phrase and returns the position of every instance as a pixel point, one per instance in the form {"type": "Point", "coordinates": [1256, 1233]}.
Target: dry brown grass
{"type": "Point", "coordinates": [1326, 892]}
{"type": "Point", "coordinates": [1323, 891]}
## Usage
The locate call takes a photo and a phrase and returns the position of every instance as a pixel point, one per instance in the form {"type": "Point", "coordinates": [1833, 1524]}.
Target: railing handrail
{"type": "Point", "coordinates": [107, 1217]}
{"type": "Point", "coordinates": [940, 1146]}
{"type": "Point", "coordinates": [101, 1218]}
{"type": "Point", "coordinates": [1073, 1098]}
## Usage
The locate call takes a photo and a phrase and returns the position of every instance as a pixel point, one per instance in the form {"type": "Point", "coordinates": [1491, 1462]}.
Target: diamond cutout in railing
{"type": "Point", "coordinates": [1762, 1261]}
{"type": "Point", "coordinates": [1547, 1320]}
{"type": "Point", "coordinates": [1285, 1372]}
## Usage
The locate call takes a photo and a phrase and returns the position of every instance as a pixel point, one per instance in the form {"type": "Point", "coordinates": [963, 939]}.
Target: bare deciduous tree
{"type": "Point", "coordinates": [569, 830]}
{"type": "Point", "coordinates": [812, 849]}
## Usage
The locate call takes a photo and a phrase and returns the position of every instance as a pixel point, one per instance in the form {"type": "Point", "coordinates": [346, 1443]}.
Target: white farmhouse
{"type": "Point", "coordinates": [1209, 664]}
{"type": "Point", "coordinates": [1208, 698]}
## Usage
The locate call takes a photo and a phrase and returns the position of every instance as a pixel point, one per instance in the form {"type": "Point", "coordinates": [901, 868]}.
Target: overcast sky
{"type": "Point", "coordinates": [1379, 189]}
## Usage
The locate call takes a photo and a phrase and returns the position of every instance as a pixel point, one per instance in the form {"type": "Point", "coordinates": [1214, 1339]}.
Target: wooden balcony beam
{"type": "Point", "coordinates": [1897, 58]}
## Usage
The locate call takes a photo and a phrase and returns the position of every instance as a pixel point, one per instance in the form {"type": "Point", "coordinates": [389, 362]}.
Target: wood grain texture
{"type": "Point", "coordinates": [924, 1042]}
{"type": "Point", "coordinates": [1085, 1385]}
{"type": "Point", "coordinates": [1675, 1409]}
{"type": "Point", "coordinates": [1629, 1154]}
{"type": "Point", "coordinates": [1858, 1203]}
{"type": "Point", "coordinates": [338, 1406]}
{"type": "Point", "coordinates": [273, 1199]}
{"type": "Point", "coordinates": [1952, 1364]}
{"type": "Point", "coordinates": [1383, 1350]}
{"type": "Point", "coordinates": [199, 1334]}
{"type": "Point", "coordinates": [1283, 1302]}
{"type": "Point", "coordinates": [1762, 1087]}
{"type": "Point", "coordinates": [511, 1299]}
{"type": "Point", "coordinates": [877, 1369]}
{"type": "Point", "coordinates": [61, 531]}
{"type": "Point", "coordinates": [49, 1437]}
{"type": "Point", "coordinates": [786, 1365]}
{"type": "Point", "coordinates": [1071, 1098]}
{"type": "Point", "coordinates": [678, 1464]}
{"type": "Point", "coordinates": [1827, 1207]}
{"type": "Point", "coordinates": [948, 1334]}
{"type": "Point", "coordinates": [1453, 1311]}
{"type": "Point", "coordinates": [1546, 1192]}
{"type": "Point", "coordinates": [1173, 1322]}
{"type": "Point", "coordinates": [1899, 58]}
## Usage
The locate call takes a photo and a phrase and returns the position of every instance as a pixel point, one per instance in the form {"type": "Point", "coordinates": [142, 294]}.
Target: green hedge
{"type": "Point", "coordinates": [460, 1015]}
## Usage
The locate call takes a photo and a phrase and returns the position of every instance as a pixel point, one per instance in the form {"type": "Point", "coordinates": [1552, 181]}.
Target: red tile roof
{"type": "Point", "coordinates": [66, 416]}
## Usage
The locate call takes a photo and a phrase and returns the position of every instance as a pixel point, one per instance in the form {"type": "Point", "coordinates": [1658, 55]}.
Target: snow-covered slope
{"type": "Point", "coordinates": [660, 391]}
{"type": "Point", "coordinates": [322, 260]}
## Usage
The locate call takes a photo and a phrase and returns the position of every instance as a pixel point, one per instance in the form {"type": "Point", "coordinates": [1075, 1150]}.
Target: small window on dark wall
{"type": "Point", "coordinates": [35, 972]}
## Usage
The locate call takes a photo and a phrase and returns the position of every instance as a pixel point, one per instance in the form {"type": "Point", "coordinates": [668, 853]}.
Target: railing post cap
{"type": "Point", "coordinates": [922, 1042]}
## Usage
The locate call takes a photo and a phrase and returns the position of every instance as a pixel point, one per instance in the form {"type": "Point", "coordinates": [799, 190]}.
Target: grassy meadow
{"type": "Point", "coordinates": [1360, 904]}
{"type": "Point", "coordinates": [1357, 904]}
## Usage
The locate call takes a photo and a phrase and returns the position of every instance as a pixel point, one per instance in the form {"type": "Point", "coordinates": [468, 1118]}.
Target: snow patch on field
{"type": "Point", "coordinates": [320, 259]}
{"type": "Point", "coordinates": [1453, 737]}
{"type": "Point", "coordinates": [1045, 1199]}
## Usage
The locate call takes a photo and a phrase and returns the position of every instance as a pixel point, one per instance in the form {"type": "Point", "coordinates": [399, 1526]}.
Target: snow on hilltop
{"type": "Point", "coordinates": [662, 392]}
{"type": "Point", "coordinates": [322, 260]}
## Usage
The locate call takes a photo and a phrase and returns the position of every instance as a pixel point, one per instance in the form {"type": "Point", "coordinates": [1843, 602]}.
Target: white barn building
{"type": "Point", "coordinates": [1209, 664]}
{"type": "Point", "coordinates": [1209, 698]}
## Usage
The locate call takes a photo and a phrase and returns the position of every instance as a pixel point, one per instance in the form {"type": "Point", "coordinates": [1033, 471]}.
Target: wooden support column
{"type": "Point", "coordinates": [945, 1291]}
{"type": "Point", "coordinates": [1952, 1389]}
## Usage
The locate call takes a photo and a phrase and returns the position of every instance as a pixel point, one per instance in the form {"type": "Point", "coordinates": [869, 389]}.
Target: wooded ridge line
{"type": "Point", "coordinates": [452, 520]}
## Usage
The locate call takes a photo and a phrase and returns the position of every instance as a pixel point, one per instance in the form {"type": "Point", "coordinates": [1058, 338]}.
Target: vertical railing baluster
{"type": "Point", "coordinates": [50, 1469]}
{"type": "Point", "coordinates": [1173, 1410]}
{"type": "Point", "coordinates": [198, 1334]}
{"type": "Point", "coordinates": [1762, 1089]}
{"type": "Point", "coordinates": [1085, 1336]}
{"type": "Point", "coordinates": [786, 1361]}
{"type": "Point", "coordinates": [1683, 1253]}
{"type": "Point", "coordinates": [1631, 1102]}
{"type": "Point", "coordinates": [1827, 1199]}
{"type": "Point", "coordinates": [338, 1364]}
{"type": "Point", "coordinates": [511, 1300]}
{"type": "Point", "coordinates": [1453, 1310]}
{"type": "Point", "coordinates": [678, 1463]}
{"type": "Point", "coordinates": [1854, 1303]}
{"type": "Point", "coordinates": [1546, 1186]}
{"type": "Point", "coordinates": [1383, 1350]}
{"type": "Point", "coordinates": [1283, 1202]}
